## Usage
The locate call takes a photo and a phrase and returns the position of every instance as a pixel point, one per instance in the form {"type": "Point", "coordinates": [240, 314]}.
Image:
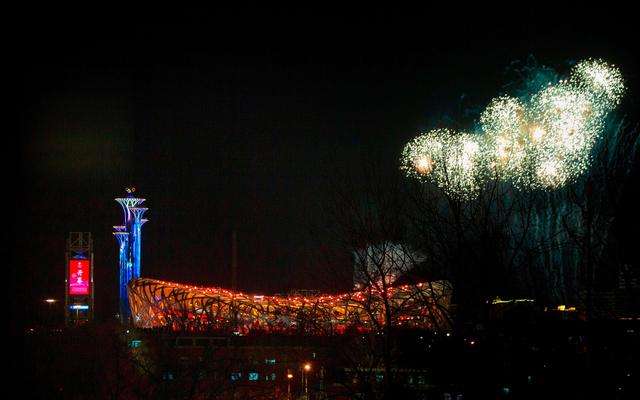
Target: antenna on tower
{"type": "Point", "coordinates": [234, 277]}
{"type": "Point", "coordinates": [234, 260]}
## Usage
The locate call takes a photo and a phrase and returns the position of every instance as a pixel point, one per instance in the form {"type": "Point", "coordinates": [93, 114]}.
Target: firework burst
{"type": "Point", "coordinates": [542, 142]}
{"type": "Point", "coordinates": [451, 160]}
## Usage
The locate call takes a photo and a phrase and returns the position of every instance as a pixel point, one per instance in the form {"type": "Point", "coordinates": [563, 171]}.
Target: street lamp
{"type": "Point", "coordinates": [289, 377]}
{"type": "Point", "coordinates": [305, 379]}
{"type": "Point", "coordinates": [50, 317]}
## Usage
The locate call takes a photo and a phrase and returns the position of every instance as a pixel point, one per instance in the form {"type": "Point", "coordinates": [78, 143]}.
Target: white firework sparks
{"type": "Point", "coordinates": [601, 80]}
{"type": "Point", "coordinates": [543, 142]}
{"type": "Point", "coordinates": [451, 160]}
{"type": "Point", "coordinates": [505, 127]}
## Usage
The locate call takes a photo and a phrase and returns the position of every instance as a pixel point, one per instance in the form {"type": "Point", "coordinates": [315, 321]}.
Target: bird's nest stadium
{"type": "Point", "coordinates": [157, 304]}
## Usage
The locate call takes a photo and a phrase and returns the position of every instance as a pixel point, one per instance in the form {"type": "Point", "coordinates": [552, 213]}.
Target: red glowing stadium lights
{"type": "Point", "coordinates": [180, 307]}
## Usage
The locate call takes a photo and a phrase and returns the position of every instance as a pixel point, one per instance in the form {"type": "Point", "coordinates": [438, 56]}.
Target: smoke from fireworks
{"type": "Point", "coordinates": [541, 142]}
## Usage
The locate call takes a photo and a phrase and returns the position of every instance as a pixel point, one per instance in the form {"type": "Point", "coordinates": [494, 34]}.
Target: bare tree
{"type": "Point", "coordinates": [594, 204]}
{"type": "Point", "coordinates": [368, 218]}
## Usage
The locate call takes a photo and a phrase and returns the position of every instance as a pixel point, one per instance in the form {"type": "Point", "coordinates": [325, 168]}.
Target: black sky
{"type": "Point", "coordinates": [227, 119]}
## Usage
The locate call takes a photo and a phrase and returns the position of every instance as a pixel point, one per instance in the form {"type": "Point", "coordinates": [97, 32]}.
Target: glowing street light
{"type": "Point", "coordinates": [289, 377]}
{"type": "Point", "coordinates": [50, 306]}
{"type": "Point", "coordinates": [305, 379]}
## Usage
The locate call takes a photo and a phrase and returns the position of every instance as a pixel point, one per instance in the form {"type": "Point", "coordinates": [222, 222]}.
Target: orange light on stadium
{"type": "Point", "coordinates": [154, 304]}
{"type": "Point", "coordinates": [307, 367]}
{"type": "Point", "coordinates": [289, 375]}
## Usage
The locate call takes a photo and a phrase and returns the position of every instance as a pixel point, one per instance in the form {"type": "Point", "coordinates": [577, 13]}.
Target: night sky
{"type": "Point", "coordinates": [240, 120]}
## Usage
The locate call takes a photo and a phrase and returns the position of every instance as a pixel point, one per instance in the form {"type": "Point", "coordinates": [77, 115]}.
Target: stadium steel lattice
{"type": "Point", "coordinates": [178, 307]}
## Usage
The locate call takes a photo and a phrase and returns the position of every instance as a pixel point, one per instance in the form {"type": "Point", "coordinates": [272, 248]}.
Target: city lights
{"type": "Point", "coordinates": [543, 141]}
{"type": "Point", "coordinates": [397, 203]}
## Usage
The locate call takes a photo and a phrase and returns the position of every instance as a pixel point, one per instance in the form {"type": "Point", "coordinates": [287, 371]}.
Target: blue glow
{"type": "Point", "coordinates": [129, 237]}
{"type": "Point", "coordinates": [79, 307]}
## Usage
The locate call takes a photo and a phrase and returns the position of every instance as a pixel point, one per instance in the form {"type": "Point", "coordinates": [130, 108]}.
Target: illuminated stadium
{"type": "Point", "coordinates": [157, 304]}
{"type": "Point", "coordinates": [172, 306]}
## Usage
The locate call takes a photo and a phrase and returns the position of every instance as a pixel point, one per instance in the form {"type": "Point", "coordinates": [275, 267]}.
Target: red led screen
{"type": "Point", "coordinates": [79, 277]}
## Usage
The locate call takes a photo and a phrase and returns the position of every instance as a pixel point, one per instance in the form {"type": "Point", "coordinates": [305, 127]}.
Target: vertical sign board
{"type": "Point", "coordinates": [79, 277]}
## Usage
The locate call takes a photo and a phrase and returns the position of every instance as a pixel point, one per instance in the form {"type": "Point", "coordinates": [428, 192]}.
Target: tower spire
{"type": "Point", "coordinates": [129, 236]}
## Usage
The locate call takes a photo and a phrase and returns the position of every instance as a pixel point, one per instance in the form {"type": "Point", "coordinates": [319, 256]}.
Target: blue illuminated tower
{"type": "Point", "coordinates": [129, 237]}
